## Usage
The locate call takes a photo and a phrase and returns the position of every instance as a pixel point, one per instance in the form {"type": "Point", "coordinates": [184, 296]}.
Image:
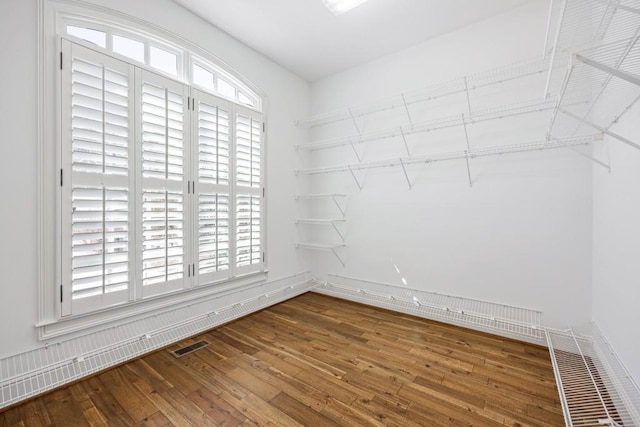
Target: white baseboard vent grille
{"type": "Point", "coordinates": [595, 389]}
{"type": "Point", "coordinates": [504, 320]}
{"type": "Point", "coordinates": [33, 372]}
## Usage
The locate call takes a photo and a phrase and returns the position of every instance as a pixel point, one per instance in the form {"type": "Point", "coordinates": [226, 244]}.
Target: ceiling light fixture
{"type": "Point", "coordinates": [338, 7]}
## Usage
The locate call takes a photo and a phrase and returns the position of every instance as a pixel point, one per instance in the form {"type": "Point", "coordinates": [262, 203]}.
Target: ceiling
{"type": "Point", "coordinates": [306, 38]}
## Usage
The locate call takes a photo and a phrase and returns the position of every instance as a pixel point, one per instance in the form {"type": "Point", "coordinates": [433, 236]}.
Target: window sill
{"type": "Point", "coordinates": [52, 328]}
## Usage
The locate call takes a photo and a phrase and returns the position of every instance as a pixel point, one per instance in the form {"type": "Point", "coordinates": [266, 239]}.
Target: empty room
{"type": "Point", "coordinates": [320, 212]}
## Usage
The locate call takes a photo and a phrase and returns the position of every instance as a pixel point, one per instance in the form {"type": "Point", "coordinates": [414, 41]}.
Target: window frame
{"type": "Point", "coordinates": [53, 16]}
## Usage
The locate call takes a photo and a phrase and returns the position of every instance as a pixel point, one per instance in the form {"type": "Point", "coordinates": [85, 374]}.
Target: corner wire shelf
{"type": "Point", "coordinates": [505, 320]}
{"type": "Point", "coordinates": [611, 75]}
{"type": "Point", "coordinates": [330, 247]}
{"type": "Point", "coordinates": [554, 143]}
{"type": "Point", "coordinates": [460, 85]}
{"type": "Point", "coordinates": [583, 24]}
{"type": "Point", "coordinates": [456, 120]}
{"type": "Point", "coordinates": [594, 387]}
{"type": "Point", "coordinates": [36, 371]}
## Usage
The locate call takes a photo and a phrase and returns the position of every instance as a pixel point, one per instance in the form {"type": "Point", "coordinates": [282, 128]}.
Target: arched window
{"type": "Point", "coordinates": [160, 169]}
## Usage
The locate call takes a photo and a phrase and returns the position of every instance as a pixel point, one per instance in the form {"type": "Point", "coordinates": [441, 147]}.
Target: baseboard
{"type": "Point", "coordinates": [36, 371]}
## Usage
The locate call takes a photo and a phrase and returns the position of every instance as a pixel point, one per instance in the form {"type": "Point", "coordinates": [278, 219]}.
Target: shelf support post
{"type": "Point", "coordinates": [466, 91]}
{"type": "Point", "coordinates": [355, 151]}
{"type": "Point", "coordinates": [601, 129]}
{"type": "Point", "coordinates": [355, 122]}
{"type": "Point", "coordinates": [406, 175]}
{"type": "Point", "coordinates": [335, 227]}
{"type": "Point", "coordinates": [404, 138]}
{"type": "Point", "coordinates": [337, 256]}
{"type": "Point", "coordinates": [406, 109]}
{"type": "Point", "coordinates": [355, 178]}
{"type": "Point", "coordinates": [467, 151]}
{"type": "Point", "coordinates": [333, 197]}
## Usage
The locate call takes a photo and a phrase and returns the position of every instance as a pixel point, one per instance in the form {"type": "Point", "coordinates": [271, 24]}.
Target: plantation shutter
{"type": "Point", "coordinates": [164, 217]}
{"type": "Point", "coordinates": [96, 180]}
{"type": "Point", "coordinates": [248, 192]}
{"type": "Point", "coordinates": [212, 196]}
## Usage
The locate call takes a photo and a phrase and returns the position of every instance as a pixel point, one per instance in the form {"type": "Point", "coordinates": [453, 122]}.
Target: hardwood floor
{"type": "Point", "coordinates": [317, 361]}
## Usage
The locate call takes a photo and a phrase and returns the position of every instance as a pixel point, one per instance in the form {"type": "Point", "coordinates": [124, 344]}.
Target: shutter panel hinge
{"type": "Point", "coordinates": [263, 192]}
{"type": "Point", "coordinates": [264, 127]}
{"type": "Point", "coordinates": [61, 177]}
{"type": "Point", "coordinates": [262, 256]}
{"type": "Point", "coordinates": [61, 60]}
{"type": "Point", "coordinates": [188, 103]}
{"type": "Point", "coordinates": [60, 293]}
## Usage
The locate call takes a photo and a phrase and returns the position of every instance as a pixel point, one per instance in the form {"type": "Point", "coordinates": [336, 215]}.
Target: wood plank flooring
{"type": "Point", "coordinates": [317, 361]}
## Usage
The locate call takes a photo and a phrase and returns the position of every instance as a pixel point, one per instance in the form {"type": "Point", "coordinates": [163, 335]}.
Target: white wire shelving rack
{"type": "Point", "coordinates": [505, 320]}
{"type": "Point", "coordinates": [466, 155]}
{"type": "Point", "coordinates": [583, 24]}
{"type": "Point", "coordinates": [461, 85]}
{"type": "Point", "coordinates": [54, 364]}
{"type": "Point", "coordinates": [610, 73]}
{"type": "Point", "coordinates": [455, 120]}
{"type": "Point", "coordinates": [594, 387]}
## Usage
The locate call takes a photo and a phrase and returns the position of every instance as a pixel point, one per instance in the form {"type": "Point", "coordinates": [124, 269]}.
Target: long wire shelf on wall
{"type": "Point", "coordinates": [451, 87]}
{"type": "Point", "coordinates": [505, 320]}
{"type": "Point", "coordinates": [584, 23]}
{"type": "Point", "coordinates": [611, 75]}
{"type": "Point", "coordinates": [555, 143]}
{"type": "Point", "coordinates": [456, 120]}
{"type": "Point", "coordinates": [30, 373]}
{"type": "Point", "coordinates": [594, 387]}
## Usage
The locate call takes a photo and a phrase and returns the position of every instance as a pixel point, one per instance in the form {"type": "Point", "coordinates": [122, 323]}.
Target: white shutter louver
{"type": "Point", "coordinates": [248, 201]}
{"type": "Point", "coordinates": [248, 159]}
{"type": "Point", "coordinates": [248, 235]}
{"type": "Point", "coordinates": [162, 237]}
{"type": "Point", "coordinates": [163, 204]}
{"type": "Point", "coordinates": [214, 137]}
{"type": "Point", "coordinates": [213, 230]}
{"type": "Point", "coordinates": [96, 148]}
{"type": "Point", "coordinates": [213, 144]}
{"type": "Point", "coordinates": [100, 241]}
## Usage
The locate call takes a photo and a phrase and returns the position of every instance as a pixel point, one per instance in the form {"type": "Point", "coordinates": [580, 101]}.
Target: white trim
{"type": "Point", "coordinates": [71, 324]}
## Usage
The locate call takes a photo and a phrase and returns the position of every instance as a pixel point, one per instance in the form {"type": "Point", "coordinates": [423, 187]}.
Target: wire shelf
{"type": "Point", "coordinates": [493, 113]}
{"type": "Point", "coordinates": [33, 372]}
{"type": "Point", "coordinates": [594, 386]}
{"type": "Point", "coordinates": [455, 86]}
{"type": "Point", "coordinates": [505, 320]}
{"type": "Point", "coordinates": [585, 23]}
{"type": "Point", "coordinates": [456, 155]}
{"type": "Point", "coordinates": [610, 77]}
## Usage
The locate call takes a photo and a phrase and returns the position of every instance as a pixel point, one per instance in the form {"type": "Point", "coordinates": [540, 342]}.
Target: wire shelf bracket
{"type": "Point", "coordinates": [333, 222]}
{"type": "Point", "coordinates": [333, 196]}
{"type": "Point", "coordinates": [324, 247]}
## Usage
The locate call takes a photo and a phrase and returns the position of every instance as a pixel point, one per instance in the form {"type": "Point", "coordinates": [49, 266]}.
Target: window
{"type": "Point", "coordinates": [161, 183]}
{"type": "Point", "coordinates": [168, 59]}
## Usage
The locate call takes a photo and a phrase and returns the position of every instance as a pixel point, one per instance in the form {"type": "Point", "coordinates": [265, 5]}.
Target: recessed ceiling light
{"type": "Point", "coordinates": [339, 7]}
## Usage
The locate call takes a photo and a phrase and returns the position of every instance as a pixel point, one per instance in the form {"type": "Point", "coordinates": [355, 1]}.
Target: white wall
{"type": "Point", "coordinates": [616, 245]}
{"type": "Point", "coordinates": [521, 235]}
{"type": "Point", "coordinates": [287, 99]}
